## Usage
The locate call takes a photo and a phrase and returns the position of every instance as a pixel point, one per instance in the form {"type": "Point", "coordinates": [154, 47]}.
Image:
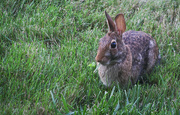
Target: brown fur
{"type": "Point", "coordinates": [134, 54]}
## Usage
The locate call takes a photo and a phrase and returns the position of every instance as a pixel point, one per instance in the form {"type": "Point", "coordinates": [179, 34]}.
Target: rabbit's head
{"type": "Point", "coordinates": [112, 49]}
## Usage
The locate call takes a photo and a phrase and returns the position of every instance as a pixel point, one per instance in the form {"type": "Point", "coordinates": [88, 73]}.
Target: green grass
{"type": "Point", "coordinates": [48, 50]}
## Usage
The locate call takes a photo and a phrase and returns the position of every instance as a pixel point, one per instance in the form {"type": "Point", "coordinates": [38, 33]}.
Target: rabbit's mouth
{"type": "Point", "coordinates": [110, 62]}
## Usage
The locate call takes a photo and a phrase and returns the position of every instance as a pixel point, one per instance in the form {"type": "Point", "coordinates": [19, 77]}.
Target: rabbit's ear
{"type": "Point", "coordinates": [120, 23]}
{"type": "Point", "coordinates": [110, 22]}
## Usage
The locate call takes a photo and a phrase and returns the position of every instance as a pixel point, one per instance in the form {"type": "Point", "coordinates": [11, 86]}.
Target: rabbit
{"type": "Point", "coordinates": [123, 57]}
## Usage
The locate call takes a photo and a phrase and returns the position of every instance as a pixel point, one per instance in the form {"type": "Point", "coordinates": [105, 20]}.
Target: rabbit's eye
{"type": "Point", "coordinates": [113, 44]}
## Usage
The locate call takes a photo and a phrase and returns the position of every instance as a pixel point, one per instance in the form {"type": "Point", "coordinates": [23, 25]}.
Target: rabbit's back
{"type": "Point", "coordinates": [144, 51]}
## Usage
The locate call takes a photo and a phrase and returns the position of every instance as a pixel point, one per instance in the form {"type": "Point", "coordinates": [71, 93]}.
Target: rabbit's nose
{"type": "Point", "coordinates": [97, 59]}
{"type": "Point", "coordinates": [103, 60]}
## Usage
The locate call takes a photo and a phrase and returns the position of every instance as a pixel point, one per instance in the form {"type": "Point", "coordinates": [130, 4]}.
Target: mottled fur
{"type": "Point", "coordinates": [134, 55]}
{"type": "Point", "coordinates": [144, 52]}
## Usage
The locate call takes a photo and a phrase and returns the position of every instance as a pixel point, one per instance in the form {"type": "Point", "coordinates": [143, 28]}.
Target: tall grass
{"type": "Point", "coordinates": [47, 51]}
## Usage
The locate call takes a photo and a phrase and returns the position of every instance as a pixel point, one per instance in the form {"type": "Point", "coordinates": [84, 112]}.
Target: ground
{"type": "Point", "coordinates": [48, 50]}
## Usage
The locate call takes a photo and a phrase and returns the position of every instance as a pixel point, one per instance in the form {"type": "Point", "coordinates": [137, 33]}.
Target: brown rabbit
{"type": "Point", "coordinates": [125, 56]}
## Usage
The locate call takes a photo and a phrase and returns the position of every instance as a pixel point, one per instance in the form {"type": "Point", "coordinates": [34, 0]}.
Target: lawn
{"type": "Point", "coordinates": [48, 49]}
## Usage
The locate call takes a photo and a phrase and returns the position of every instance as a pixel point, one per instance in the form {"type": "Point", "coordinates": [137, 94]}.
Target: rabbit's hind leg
{"type": "Point", "coordinates": [153, 55]}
